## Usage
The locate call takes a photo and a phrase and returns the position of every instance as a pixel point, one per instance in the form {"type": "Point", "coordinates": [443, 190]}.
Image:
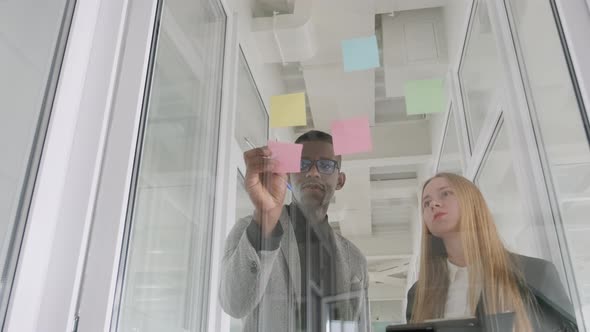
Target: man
{"type": "Point", "coordinates": [284, 268]}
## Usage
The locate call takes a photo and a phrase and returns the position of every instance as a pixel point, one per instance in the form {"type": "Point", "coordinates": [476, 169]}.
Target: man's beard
{"type": "Point", "coordinates": [314, 205]}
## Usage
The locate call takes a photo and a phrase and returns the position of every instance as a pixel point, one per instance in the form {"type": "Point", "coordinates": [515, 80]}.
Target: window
{"type": "Point", "coordinates": [479, 74]}
{"type": "Point", "coordinates": [498, 182]}
{"type": "Point", "coordinates": [165, 282]}
{"type": "Point", "coordinates": [251, 116]}
{"type": "Point", "coordinates": [558, 122]}
{"type": "Point", "coordinates": [450, 157]}
{"type": "Point", "coordinates": [32, 44]}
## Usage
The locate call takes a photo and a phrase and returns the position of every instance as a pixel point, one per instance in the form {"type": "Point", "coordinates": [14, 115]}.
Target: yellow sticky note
{"type": "Point", "coordinates": [288, 110]}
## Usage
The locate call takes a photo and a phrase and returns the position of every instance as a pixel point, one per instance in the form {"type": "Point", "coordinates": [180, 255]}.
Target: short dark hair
{"type": "Point", "coordinates": [315, 136]}
{"type": "Point", "coordinates": [318, 136]}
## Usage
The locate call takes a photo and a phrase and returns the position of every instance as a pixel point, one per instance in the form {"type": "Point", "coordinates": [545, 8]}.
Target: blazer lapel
{"type": "Point", "coordinates": [341, 267]}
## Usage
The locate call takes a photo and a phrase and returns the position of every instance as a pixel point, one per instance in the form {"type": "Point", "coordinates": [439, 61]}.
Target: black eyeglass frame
{"type": "Point", "coordinates": [315, 163]}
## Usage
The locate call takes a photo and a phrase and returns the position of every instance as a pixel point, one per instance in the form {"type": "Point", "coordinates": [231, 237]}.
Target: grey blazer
{"type": "Point", "coordinates": [264, 288]}
{"type": "Point", "coordinates": [554, 310]}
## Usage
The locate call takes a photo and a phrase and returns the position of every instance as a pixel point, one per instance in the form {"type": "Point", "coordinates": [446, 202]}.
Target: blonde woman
{"type": "Point", "coordinates": [465, 270]}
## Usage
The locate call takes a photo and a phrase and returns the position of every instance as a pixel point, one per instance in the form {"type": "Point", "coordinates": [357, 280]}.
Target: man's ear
{"type": "Point", "coordinates": [341, 180]}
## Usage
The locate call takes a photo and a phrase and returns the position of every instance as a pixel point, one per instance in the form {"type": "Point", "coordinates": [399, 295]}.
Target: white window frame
{"type": "Point", "coordinates": [575, 20]}
{"type": "Point", "coordinates": [225, 200]}
{"type": "Point", "coordinates": [97, 294]}
{"type": "Point", "coordinates": [52, 257]}
{"type": "Point", "coordinates": [100, 293]}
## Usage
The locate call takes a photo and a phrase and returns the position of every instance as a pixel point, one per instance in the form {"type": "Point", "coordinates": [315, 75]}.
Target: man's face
{"type": "Point", "coordinates": [314, 189]}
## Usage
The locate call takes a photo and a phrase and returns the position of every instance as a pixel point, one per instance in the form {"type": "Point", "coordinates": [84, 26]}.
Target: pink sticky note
{"type": "Point", "coordinates": [351, 136]}
{"type": "Point", "coordinates": [288, 155]}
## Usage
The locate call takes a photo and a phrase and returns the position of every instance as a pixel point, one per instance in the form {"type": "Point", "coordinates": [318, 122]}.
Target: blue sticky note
{"type": "Point", "coordinates": [360, 53]}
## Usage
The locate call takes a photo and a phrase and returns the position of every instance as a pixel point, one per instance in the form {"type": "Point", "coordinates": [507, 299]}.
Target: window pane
{"type": "Point", "coordinates": [450, 157]}
{"type": "Point", "coordinates": [553, 103]}
{"type": "Point", "coordinates": [480, 73]}
{"type": "Point", "coordinates": [251, 115]}
{"type": "Point", "coordinates": [165, 282]}
{"type": "Point", "coordinates": [32, 42]}
{"type": "Point", "coordinates": [498, 182]}
{"type": "Point", "coordinates": [244, 207]}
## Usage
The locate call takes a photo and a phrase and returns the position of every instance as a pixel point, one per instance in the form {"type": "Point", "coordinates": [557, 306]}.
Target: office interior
{"type": "Point", "coordinates": [124, 126]}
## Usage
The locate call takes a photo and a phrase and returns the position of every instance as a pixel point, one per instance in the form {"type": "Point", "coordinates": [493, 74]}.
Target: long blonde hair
{"type": "Point", "coordinates": [488, 262]}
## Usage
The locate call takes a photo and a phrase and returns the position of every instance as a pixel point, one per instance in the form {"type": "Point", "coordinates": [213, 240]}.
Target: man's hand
{"type": "Point", "coordinates": [266, 189]}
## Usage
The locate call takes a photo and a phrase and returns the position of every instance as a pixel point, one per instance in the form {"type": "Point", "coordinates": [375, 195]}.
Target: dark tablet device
{"type": "Point", "coordinates": [447, 325]}
{"type": "Point", "coordinates": [498, 322]}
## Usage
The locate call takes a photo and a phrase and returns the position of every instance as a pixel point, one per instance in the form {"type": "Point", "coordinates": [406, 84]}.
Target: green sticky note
{"type": "Point", "coordinates": [424, 97]}
{"type": "Point", "coordinates": [288, 110]}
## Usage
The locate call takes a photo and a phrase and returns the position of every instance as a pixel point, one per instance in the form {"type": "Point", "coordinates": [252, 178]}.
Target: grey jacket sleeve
{"type": "Point", "coordinates": [543, 281]}
{"type": "Point", "coordinates": [365, 309]}
{"type": "Point", "coordinates": [244, 272]}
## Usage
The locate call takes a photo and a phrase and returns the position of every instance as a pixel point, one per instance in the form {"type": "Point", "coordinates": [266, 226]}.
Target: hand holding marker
{"type": "Point", "coordinates": [254, 147]}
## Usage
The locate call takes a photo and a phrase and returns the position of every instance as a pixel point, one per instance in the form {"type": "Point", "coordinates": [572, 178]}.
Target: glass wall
{"type": "Point", "coordinates": [32, 43]}
{"type": "Point", "coordinates": [559, 126]}
{"type": "Point", "coordinates": [164, 287]}
{"type": "Point", "coordinates": [451, 159]}
{"type": "Point", "coordinates": [251, 115]}
{"type": "Point", "coordinates": [498, 181]}
{"type": "Point", "coordinates": [480, 72]}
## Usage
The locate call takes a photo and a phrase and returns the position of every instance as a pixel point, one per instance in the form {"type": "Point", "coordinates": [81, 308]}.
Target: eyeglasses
{"type": "Point", "coordinates": [324, 166]}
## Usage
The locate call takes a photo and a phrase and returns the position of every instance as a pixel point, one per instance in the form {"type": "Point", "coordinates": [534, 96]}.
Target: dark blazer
{"type": "Point", "coordinates": [554, 309]}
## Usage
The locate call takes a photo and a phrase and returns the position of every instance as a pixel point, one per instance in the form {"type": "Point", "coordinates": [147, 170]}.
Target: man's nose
{"type": "Point", "coordinates": [313, 171]}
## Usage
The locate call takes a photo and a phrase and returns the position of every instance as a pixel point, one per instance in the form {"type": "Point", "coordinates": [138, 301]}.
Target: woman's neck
{"type": "Point", "coordinates": [454, 249]}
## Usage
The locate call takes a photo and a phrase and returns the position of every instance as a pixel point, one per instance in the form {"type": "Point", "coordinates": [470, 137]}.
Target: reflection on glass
{"type": "Point", "coordinates": [244, 207]}
{"type": "Point", "coordinates": [498, 183]}
{"type": "Point", "coordinates": [480, 72]}
{"type": "Point", "coordinates": [251, 115]}
{"type": "Point", "coordinates": [284, 267]}
{"type": "Point", "coordinates": [553, 102]}
{"type": "Point", "coordinates": [450, 157]}
{"type": "Point", "coordinates": [32, 41]}
{"type": "Point", "coordinates": [165, 280]}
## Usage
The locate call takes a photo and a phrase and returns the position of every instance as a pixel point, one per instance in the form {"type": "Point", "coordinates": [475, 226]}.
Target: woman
{"type": "Point", "coordinates": [465, 270]}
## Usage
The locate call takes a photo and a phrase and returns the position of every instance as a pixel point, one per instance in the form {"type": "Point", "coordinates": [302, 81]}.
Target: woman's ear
{"type": "Point", "coordinates": [341, 180]}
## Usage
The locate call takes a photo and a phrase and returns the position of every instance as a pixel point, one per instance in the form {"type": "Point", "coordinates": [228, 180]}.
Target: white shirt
{"type": "Point", "coordinates": [457, 298]}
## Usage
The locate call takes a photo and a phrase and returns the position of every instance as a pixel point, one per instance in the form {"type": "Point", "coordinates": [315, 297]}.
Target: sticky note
{"type": "Point", "coordinates": [288, 110]}
{"type": "Point", "coordinates": [424, 97]}
{"type": "Point", "coordinates": [288, 155]}
{"type": "Point", "coordinates": [360, 53]}
{"type": "Point", "coordinates": [351, 136]}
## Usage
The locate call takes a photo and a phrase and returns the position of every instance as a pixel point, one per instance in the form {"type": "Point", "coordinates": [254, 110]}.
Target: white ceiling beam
{"type": "Point", "coordinates": [406, 162]}
{"type": "Point", "coordinates": [388, 6]}
{"type": "Point", "coordinates": [394, 189]}
{"type": "Point", "coordinates": [399, 243]}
